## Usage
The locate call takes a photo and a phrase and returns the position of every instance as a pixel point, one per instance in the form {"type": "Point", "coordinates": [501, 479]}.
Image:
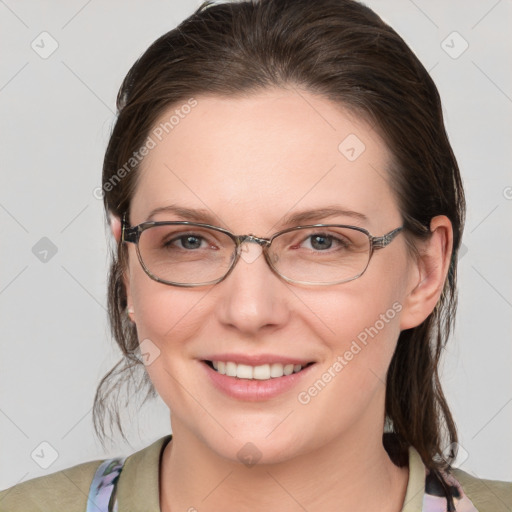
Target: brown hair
{"type": "Point", "coordinates": [343, 51]}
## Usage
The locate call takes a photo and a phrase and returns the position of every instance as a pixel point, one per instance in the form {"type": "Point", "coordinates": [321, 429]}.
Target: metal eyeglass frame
{"type": "Point", "coordinates": [132, 234]}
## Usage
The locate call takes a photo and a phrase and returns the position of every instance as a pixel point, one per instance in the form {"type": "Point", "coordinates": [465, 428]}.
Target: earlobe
{"type": "Point", "coordinates": [430, 271]}
{"type": "Point", "coordinates": [131, 313]}
{"type": "Point", "coordinates": [129, 308]}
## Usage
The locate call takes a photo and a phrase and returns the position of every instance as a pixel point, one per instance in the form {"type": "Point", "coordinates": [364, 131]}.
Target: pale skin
{"type": "Point", "coordinates": [249, 162]}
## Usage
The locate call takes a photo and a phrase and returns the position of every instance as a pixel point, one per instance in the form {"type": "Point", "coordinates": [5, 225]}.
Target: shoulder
{"type": "Point", "coordinates": [133, 481]}
{"type": "Point", "coordinates": [66, 489]}
{"type": "Point", "coordinates": [486, 495]}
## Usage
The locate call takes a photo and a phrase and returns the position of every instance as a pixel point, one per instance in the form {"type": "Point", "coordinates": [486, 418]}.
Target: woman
{"type": "Point", "coordinates": [288, 212]}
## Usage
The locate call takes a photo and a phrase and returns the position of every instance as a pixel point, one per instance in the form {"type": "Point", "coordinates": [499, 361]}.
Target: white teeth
{"type": "Point", "coordinates": [243, 371]}
{"type": "Point", "coordinates": [262, 372]}
{"type": "Point", "coordinates": [276, 370]}
{"type": "Point", "coordinates": [231, 369]}
{"type": "Point", "coordinates": [288, 369]}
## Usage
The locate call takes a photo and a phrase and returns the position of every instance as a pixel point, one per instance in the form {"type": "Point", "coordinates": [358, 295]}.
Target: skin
{"type": "Point", "coordinates": [250, 161]}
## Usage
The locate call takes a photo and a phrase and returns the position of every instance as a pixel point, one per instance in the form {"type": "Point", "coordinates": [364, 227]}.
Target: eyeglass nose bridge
{"type": "Point", "coordinates": [263, 242]}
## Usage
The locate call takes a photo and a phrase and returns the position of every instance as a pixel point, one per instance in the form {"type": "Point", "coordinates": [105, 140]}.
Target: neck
{"type": "Point", "coordinates": [350, 473]}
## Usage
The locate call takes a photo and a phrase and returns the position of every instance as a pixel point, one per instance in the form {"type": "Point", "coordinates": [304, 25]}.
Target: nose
{"type": "Point", "coordinates": [252, 298]}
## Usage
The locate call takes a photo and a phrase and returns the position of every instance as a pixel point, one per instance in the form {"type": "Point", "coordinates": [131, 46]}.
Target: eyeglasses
{"type": "Point", "coordinates": [181, 253]}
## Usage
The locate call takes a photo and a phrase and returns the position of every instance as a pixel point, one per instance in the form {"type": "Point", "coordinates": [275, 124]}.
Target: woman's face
{"type": "Point", "coordinates": [248, 165]}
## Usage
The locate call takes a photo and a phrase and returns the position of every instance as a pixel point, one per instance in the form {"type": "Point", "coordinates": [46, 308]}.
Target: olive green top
{"type": "Point", "coordinates": [138, 487]}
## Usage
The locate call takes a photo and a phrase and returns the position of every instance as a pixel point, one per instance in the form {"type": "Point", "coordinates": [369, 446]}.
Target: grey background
{"type": "Point", "coordinates": [56, 115]}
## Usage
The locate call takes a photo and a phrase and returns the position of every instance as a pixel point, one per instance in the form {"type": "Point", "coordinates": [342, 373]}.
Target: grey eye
{"type": "Point", "coordinates": [190, 242]}
{"type": "Point", "coordinates": [320, 242]}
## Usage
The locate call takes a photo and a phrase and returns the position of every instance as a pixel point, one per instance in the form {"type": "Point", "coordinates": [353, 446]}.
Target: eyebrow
{"type": "Point", "coordinates": [293, 219]}
{"type": "Point", "coordinates": [322, 213]}
{"type": "Point", "coordinates": [193, 215]}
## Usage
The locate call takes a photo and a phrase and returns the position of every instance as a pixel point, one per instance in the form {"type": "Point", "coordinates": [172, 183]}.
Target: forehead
{"type": "Point", "coordinates": [250, 161]}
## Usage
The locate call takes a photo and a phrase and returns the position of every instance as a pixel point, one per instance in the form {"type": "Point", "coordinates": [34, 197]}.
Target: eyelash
{"type": "Point", "coordinates": [332, 238]}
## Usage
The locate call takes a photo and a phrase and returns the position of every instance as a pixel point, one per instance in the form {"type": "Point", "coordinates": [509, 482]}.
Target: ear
{"type": "Point", "coordinates": [115, 227]}
{"type": "Point", "coordinates": [429, 273]}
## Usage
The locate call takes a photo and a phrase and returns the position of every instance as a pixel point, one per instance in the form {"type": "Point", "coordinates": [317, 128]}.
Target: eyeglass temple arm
{"type": "Point", "coordinates": [381, 241]}
{"type": "Point", "coordinates": [128, 234]}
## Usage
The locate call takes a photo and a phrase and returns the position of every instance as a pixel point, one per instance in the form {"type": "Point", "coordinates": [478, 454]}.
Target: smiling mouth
{"type": "Point", "coordinates": [261, 372]}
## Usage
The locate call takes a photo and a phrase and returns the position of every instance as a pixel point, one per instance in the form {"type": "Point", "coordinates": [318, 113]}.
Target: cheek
{"type": "Point", "coordinates": [366, 345]}
{"type": "Point", "coordinates": [356, 310]}
{"type": "Point", "coordinates": [369, 343]}
{"type": "Point", "coordinates": [350, 382]}
{"type": "Point", "coordinates": [168, 319]}
{"type": "Point", "coordinates": [162, 311]}
{"type": "Point", "coordinates": [359, 325]}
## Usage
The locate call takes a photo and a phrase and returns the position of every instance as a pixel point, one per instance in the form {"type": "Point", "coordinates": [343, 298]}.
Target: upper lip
{"type": "Point", "coordinates": [257, 359]}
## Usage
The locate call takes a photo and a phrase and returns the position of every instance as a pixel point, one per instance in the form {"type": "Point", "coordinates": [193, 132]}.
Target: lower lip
{"type": "Point", "coordinates": [254, 390]}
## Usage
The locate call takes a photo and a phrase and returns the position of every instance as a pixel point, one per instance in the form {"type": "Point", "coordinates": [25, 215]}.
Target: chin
{"type": "Point", "coordinates": [257, 448]}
